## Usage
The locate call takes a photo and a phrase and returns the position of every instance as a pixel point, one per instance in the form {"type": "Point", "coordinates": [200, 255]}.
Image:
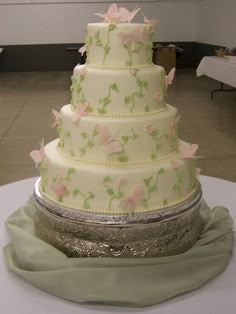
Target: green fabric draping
{"type": "Point", "coordinates": [136, 282]}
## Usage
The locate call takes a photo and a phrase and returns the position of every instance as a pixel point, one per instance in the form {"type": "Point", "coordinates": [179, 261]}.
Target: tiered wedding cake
{"type": "Point", "coordinates": [118, 152]}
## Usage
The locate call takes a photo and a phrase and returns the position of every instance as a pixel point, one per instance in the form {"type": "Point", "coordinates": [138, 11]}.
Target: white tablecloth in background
{"type": "Point", "coordinates": [219, 69]}
{"type": "Point", "coordinates": [19, 297]}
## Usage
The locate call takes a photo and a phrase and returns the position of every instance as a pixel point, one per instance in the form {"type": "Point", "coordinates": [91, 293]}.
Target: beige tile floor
{"type": "Point", "coordinates": [26, 100]}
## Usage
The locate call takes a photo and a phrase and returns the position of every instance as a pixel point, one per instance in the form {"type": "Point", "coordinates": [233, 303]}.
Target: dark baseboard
{"type": "Point", "coordinates": [59, 57]}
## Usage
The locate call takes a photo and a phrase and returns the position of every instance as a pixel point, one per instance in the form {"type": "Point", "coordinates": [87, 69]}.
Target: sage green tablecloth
{"type": "Point", "coordinates": [136, 282]}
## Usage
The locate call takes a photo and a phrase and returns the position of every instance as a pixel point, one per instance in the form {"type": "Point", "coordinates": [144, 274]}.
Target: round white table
{"type": "Point", "coordinates": [18, 297]}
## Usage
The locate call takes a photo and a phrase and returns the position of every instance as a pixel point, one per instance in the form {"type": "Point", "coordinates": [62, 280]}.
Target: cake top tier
{"type": "Point", "coordinates": [117, 43]}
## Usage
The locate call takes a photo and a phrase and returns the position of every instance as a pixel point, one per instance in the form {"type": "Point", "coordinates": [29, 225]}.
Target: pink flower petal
{"type": "Point", "coordinates": [150, 23]}
{"type": "Point", "coordinates": [188, 151]}
{"type": "Point", "coordinates": [80, 112]}
{"type": "Point", "coordinates": [169, 78]}
{"type": "Point", "coordinates": [126, 15]}
{"type": "Point", "coordinates": [38, 155]}
{"type": "Point", "coordinates": [56, 115]}
{"type": "Point", "coordinates": [82, 50]}
{"type": "Point", "coordinates": [59, 190]}
{"type": "Point", "coordinates": [115, 15]}
{"type": "Point", "coordinates": [134, 199]}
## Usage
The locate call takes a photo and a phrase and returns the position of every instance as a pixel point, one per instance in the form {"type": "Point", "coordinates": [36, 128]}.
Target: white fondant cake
{"type": "Point", "coordinates": [118, 150]}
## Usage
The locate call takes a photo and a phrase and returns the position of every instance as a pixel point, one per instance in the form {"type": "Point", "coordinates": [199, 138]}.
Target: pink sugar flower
{"type": "Point", "coordinates": [133, 71]}
{"type": "Point", "coordinates": [150, 24]}
{"type": "Point", "coordinates": [134, 36]}
{"type": "Point", "coordinates": [174, 164]}
{"type": "Point", "coordinates": [58, 189]}
{"type": "Point", "coordinates": [115, 15]}
{"type": "Point", "coordinates": [135, 198]}
{"type": "Point", "coordinates": [104, 138]}
{"type": "Point", "coordinates": [174, 125]}
{"type": "Point", "coordinates": [188, 151]}
{"type": "Point", "coordinates": [38, 155]}
{"type": "Point", "coordinates": [122, 182]}
{"type": "Point", "coordinates": [169, 78]}
{"type": "Point", "coordinates": [149, 129]}
{"type": "Point", "coordinates": [96, 35]}
{"type": "Point", "coordinates": [159, 96]}
{"type": "Point", "coordinates": [82, 50]}
{"type": "Point", "coordinates": [80, 112]}
{"type": "Point", "coordinates": [56, 115]}
{"type": "Point", "coordinates": [82, 70]}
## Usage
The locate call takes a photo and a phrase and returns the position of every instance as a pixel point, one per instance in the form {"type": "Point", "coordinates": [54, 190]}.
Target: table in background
{"type": "Point", "coordinates": [219, 69]}
{"type": "Point", "coordinates": [19, 297]}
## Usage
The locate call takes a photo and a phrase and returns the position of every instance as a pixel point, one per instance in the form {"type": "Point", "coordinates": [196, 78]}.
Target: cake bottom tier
{"type": "Point", "coordinates": [116, 190]}
{"type": "Point", "coordinates": [156, 234]}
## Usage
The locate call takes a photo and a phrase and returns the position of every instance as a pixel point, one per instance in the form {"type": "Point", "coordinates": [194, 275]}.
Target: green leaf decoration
{"type": "Point", "coordinates": [153, 156]}
{"type": "Point", "coordinates": [91, 195]}
{"type": "Point", "coordinates": [82, 151]}
{"type": "Point", "coordinates": [152, 188]}
{"type": "Point", "coordinates": [115, 87]}
{"type": "Point", "coordinates": [72, 154]}
{"type": "Point", "coordinates": [112, 27]}
{"type": "Point", "coordinates": [85, 205]}
{"type": "Point", "coordinates": [146, 109]}
{"type": "Point", "coordinates": [123, 158]}
{"type": "Point", "coordinates": [106, 101]}
{"type": "Point", "coordinates": [110, 191]}
{"type": "Point", "coordinates": [99, 42]}
{"type": "Point", "coordinates": [107, 49]}
{"type": "Point", "coordinates": [161, 171]}
{"type": "Point", "coordinates": [101, 111]}
{"type": "Point", "coordinates": [127, 99]}
{"type": "Point", "coordinates": [125, 139]}
{"type": "Point", "coordinates": [165, 201]}
{"type": "Point", "coordinates": [84, 134]}
{"type": "Point", "coordinates": [90, 144]}
{"type": "Point", "coordinates": [106, 179]}
{"type": "Point", "coordinates": [147, 181]}
{"type": "Point", "coordinates": [95, 132]}
{"type": "Point", "coordinates": [71, 171]}
{"type": "Point", "coordinates": [75, 192]}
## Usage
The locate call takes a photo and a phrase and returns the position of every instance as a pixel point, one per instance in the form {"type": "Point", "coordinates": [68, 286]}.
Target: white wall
{"type": "Point", "coordinates": [216, 22]}
{"type": "Point", "coordinates": [65, 23]}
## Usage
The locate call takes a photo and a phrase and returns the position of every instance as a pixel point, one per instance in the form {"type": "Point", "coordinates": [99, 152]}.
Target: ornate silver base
{"type": "Point", "coordinates": [165, 232]}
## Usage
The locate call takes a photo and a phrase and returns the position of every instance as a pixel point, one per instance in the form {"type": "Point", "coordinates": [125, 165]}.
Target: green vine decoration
{"type": "Point", "coordinates": [192, 177]}
{"type": "Point", "coordinates": [105, 101]}
{"type": "Point", "coordinates": [106, 46]}
{"type": "Point", "coordinates": [123, 142]}
{"type": "Point", "coordinates": [86, 198]}
{"type": "Point", "coordinates": [67, 177]}
{"type": "Point", "coordinates": [113, 194]}
{"type": "Point", "coordinates": [89, 141]}
{"type": "Point", "coordinates": [165, 202]}
{"type": "Point", "coordinates": [151, 185]}
{"type": "Point", "coordinates": [62, 134]}
{"type": "Point", "coordinates": [43, 175]}
{"type": "Point", "coordinates": [156, 137]}
{"type": "Point", "coordinates": [59, 180]}
{"type": "Point", "coordinates": [179, 179]}
{"type": "Point", "coordinates": [149, 48]}
{"type": "Point", "coordinates": [77, 88]}
{"type": "Point", "coordinates": [141, 85]}
{"type": "Point", "coordinates": [88, 43]}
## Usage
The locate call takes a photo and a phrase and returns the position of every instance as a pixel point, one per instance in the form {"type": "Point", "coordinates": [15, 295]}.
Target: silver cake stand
{"type": "Point", "coordinates": [165, 232]}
